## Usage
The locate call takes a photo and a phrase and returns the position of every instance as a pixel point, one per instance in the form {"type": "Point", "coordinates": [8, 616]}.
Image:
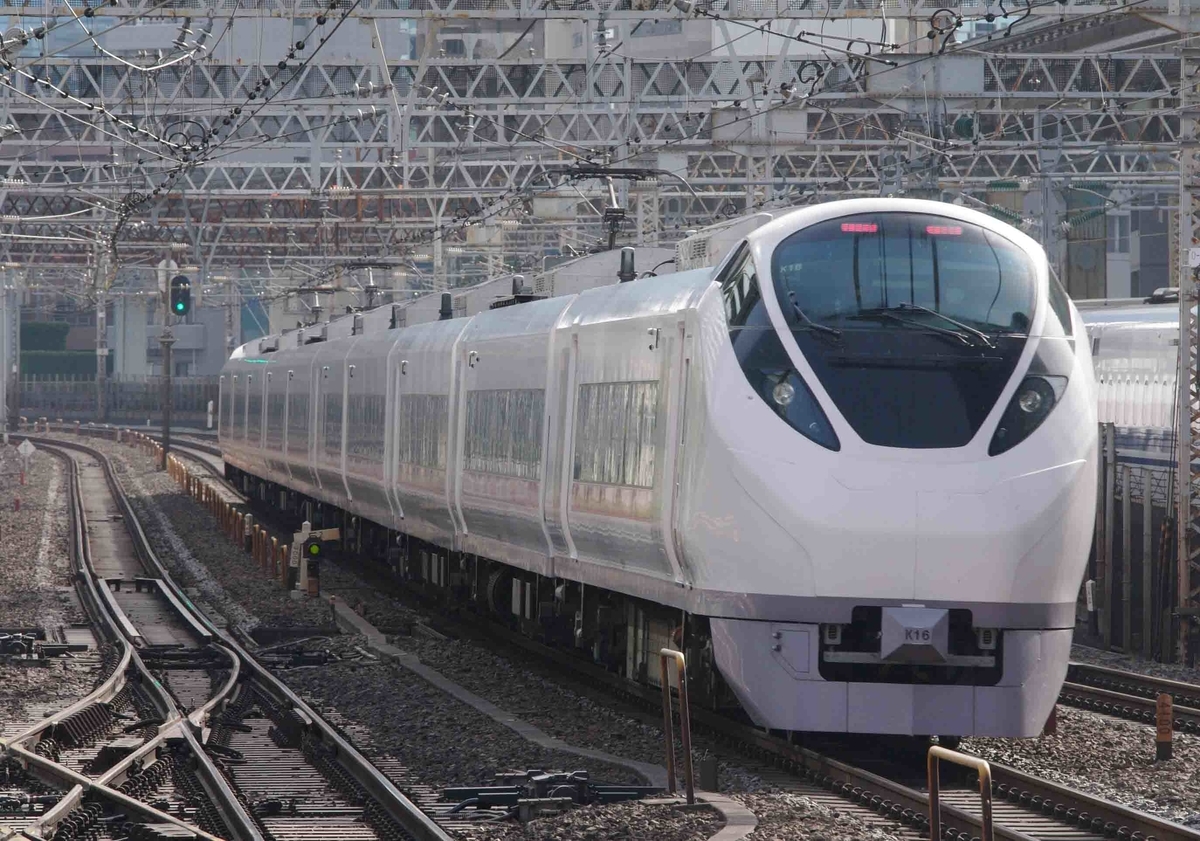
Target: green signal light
{"type": "Point", "coordinates": [179, 306]}
{"type": "Point", "coordinates": [314, 549]}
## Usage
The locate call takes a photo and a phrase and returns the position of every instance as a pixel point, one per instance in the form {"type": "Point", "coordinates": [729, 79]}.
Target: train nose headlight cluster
{"type": "Point", "coordinates": [788, 395]}
{"type": "Point", "coordinates": [1037, 395]}
{"type": "Point", "coordinates": [1033, 402]}
{"type": "Point", "coordinates": [783, 394]}
{"type": "Point", "coordinates": [1030, 397]}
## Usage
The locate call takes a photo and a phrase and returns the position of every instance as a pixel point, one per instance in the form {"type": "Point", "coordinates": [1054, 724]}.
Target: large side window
{"type": "Point", "coordinates": [422, 430]}
{"type": "Point", "coordinates": [365, 431]}
{"type": "Point", "coordinates": [333, 426]}
{"type": "Point", "coordinates": [253, 410]}
{"type": "Point", "coordinates": [504, 431]}
{"type": "Point", "coordinates": [275, 403]}
{"type": "Point", "coordinates": [297, 422]}
{"type": "Point", "coordinates": [614, 433]}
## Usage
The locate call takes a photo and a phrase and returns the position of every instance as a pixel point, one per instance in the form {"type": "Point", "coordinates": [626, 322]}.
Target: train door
{"type": "Point", "coordinates": [558, 464]}
{"type": "Point", "coordinates": [621, 442]}
{"type": "Point", "coordinates": [234, 440]}
{"type": "Point", "coordinates": [396, 368]}
{"type": "Point", "coordinates": [288, 375]}
{"type": "Point", "coordinates": [315, 426]}
{"type": "Point", "coordinates": [677, 421]}
{"type": "Point", "coordinates": [348, 370]}
{"type": "Point", "coordinates": [247, 403]}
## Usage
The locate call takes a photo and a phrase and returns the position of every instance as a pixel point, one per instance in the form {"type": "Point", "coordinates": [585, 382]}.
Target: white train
{"type": "Point", "coordinates": [1135, 351]}
{"type": "Point", "coordinates": [851, 469]}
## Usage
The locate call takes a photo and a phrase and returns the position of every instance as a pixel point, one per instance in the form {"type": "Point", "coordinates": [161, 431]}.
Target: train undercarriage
{"type": "Point", "coordinates": [620, 633]}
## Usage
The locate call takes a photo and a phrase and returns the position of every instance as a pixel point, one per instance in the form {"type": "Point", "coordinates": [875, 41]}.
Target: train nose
{"type": "Point", "coordinates": [1006, 542]}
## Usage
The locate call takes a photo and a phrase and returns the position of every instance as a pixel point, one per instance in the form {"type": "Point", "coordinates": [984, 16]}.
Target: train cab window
{"type": "Point", "coordinates": [855, 269]}
{"type": "Point", "coordinates": [741, 292]}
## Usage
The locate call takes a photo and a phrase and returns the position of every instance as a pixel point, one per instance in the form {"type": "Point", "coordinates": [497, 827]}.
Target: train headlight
{"type": "Point", "coordinates": [1031, 398]}
{"type": "Point", "coordinates": [783, 393]}
{"type": "Point", "coordinates": [1033, 402]}
{"type": "Point", "coordinates": [791, 399]}
{"type": "Point", "coordinates": [769, 371]}
{"type": "Point", "coordinates": [1037, 395]}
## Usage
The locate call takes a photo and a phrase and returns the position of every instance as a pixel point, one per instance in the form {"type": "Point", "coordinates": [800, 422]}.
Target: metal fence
{"type": "Point", "coordinates": [127, 399]}
{"type": "Point", "coordinates": [1132, 565]}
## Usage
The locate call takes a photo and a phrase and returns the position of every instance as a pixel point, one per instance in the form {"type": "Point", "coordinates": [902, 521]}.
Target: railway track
{"type": "Point", "coordinates": [1131, 695]}
{"type": "Point", "coordinates": [187, 735]}
{"type": "Point", "coordinates": [1025, 807]}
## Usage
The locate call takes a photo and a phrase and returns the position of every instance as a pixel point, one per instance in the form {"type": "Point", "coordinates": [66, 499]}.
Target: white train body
{"type": "Point", "coordinates": [832, 498]}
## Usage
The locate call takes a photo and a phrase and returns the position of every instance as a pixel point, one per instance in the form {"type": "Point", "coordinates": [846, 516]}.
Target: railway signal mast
{"type": "Point", "coordinates": [179, 304]}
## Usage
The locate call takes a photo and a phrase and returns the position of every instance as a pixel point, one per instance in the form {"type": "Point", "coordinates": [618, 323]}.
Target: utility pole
{"type": "Point", "coordinates": [100, 282]}
{"type": "Point", "coordinates": [1187, 480]}
{"type": "Point", "coordinates": [230, 303]}
{"type": "Point", "coordinates": [12, 350]}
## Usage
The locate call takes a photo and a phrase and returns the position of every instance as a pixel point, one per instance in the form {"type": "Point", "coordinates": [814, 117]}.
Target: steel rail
{"type": "Point", "coordinates": [402, 810]}
{"type": "Point", "coordinates": [1059, 802]}
{"type": "Point", "coordinates": [79, 784]}
{"type": "Point", "coordinates": [174, 725]}
{"type": "Point", "coordinates": [1085, 811]}
{"type": "Point", "coordinates": [1072, 809]}
{"type": "Point", "coordinates": [1132, 683]}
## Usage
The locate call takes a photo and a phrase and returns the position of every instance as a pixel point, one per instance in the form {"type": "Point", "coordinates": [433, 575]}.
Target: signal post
{"type": "Point", "coordinates": [179, 304]}
{"type": "Point", "coordinates": [304, 573]}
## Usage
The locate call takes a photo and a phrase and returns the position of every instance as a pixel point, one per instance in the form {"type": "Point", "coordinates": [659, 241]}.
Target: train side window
{"type": "Point", "coordinates": [1060, 304]}
{"type": "Point", "coordinates": [615, 433]}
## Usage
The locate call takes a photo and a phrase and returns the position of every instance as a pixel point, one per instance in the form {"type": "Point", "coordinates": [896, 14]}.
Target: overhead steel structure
{"type": "Point", "coordinates": [258, 133]}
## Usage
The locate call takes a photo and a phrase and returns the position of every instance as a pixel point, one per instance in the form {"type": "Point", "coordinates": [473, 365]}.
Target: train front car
{"type": "Point", "coordinates": [902, 425]}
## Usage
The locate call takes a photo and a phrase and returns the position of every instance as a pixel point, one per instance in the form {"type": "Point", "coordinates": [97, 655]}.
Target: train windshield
{"type": "Point", "coordinates": [930, 269]}
{"type": "Point", "coordinates": [912, 322]}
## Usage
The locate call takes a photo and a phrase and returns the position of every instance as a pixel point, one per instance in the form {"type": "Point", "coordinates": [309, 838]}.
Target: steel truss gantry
{"type": "Point", "coordinates": [381, 157]}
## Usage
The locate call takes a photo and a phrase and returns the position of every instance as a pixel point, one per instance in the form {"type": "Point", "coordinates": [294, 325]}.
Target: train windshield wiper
{"type": "Point", "coordinates": [892, 314]}
{"type": "Point", "coordinates": [808, 322]}
{"type": "Point", "coordinates": [978, 334]}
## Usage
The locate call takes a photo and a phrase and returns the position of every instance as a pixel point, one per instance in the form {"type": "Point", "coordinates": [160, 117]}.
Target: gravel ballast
{"type": "Point", "coordinates": [561, 711]}
{"type": "Point", "coordinates": [190, 542]}
{"type": "Point", "coordinates": [442, 740]}
{"type": "Point", "coordinates": [35, 586]}
{"type": "Point", "coordinates": [1134, 663]}
{"type": "Point", "coordinates": [617, 822]}
{"type": "Point", "coordinates": [1110, 758]}
{"type": "Point", "coordinates": [794, 817]}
